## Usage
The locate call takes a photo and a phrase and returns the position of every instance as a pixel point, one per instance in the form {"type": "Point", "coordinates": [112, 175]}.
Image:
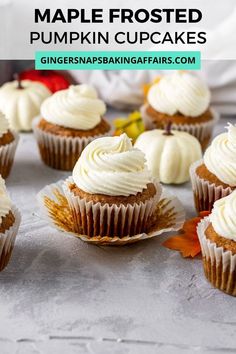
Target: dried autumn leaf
{"type": "Point", "coordinates": [187, 242]}
{"type": "Point", "coordinates": [132, 125]}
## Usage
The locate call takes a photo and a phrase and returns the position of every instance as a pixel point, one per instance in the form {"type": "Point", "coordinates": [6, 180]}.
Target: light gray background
{"type": "Point", "coordinates": [60, 295]}
{"type": "Point", "coordinates": [17, 21]}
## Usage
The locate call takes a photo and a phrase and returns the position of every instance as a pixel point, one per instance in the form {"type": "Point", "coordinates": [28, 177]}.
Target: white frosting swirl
{"type": "Point", "coordinates": [220, 157]}
{"type": "Point", "coordinates": [77, 108]}
{"type": "Point", "coordinates": [4, 125]}
{"type": "Point", "coordinates": [223, 216]}
{"type": "Point", "coordinates": [5, 201]}
{"type": "Point", "coordinates": [180, 92]}
{"type": "Point", "coordinates": [111, 166]}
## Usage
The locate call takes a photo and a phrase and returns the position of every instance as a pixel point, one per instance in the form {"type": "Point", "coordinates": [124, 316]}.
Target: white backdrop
{"type": "Point", "coordinates": [14, 42]}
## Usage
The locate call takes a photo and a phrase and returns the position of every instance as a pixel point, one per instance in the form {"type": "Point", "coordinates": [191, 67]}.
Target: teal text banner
{"type": "Point", "coordinates": [118, 60]}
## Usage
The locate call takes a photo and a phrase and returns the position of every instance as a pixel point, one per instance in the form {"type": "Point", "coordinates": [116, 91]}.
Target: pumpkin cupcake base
{"type": "Point", "coordinates": [102, 128]}
{"type": "Point", "coordinates": [169, 216]}
{"type": "Point", "coordinates": [8, 231]}
{"type": "Point", "coordinates": [206, 189]}
{"type": "Point", "coordinates": [201, 127]}
{"type": "Point", "coordinates": [219, 262]}
{"type": "Point", "coordinates": [100, 218]}
{"type": "Point", "coordinates": [7, 153]}
{"type": "Point", "coordinates": [59, 147]}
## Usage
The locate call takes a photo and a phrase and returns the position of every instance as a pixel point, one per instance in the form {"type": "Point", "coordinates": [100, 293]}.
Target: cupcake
{"type": "Point", "coordinates": [8, 144]}
{"type": "Point", "coordinates": [9, 224]}
{"type": "Point", "coordinates": [183, 100]}
{"type": "Point", "coordinates": [70, 120]}
{"type": "Point", "coordinates": [217, 235]}
{"type": "Point", "coordinates": [214, 177]}
{"type": "Point", "coordinates": [111, 192]}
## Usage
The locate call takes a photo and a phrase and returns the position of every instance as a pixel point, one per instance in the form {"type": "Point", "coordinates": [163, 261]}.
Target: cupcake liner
{"type": "Point", "coordinates": [7, 154]}
{"type": "Point", "coordinates": [96, 219]}
{"type": "Point", "coordinates": [205, 193]}
{"type": "Point", "coordinates": [168, 216]}
{"type": "Point", "coordinates": [219, 265]}
{"type": "Point", "coordinates": [60, 152]}
{"type": "Point", "coordinates": [202, 131]}
{"type": "Point", "coordinates": [7, 239]}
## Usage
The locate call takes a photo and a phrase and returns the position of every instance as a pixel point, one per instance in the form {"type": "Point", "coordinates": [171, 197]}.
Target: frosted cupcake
{"type": "Point", "coordinates": [9, 224]}
{"type": "Point", "coordinates": [214, 177]}
{"type": "Point", "coordinates": [111, 192]}
{"type": "Point", "coordinates": [70, 120]}
{"type": "Point", "coordinates": [8, 144]}
{"type": "Point", "coordinates": [217, 235]}
{"type": "Point", "coordinates": [182, 99]}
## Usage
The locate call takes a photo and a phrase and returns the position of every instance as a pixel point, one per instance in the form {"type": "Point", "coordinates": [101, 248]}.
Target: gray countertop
{"type": "Point", "coordinates": [60, 295]}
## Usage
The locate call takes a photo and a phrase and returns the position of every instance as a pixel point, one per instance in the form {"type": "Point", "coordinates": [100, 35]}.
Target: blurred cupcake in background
{"type": "Point", "coordinates": [70, 120]}
{"type": "Point", "coordinates": [214, 177]}
{"type": "Point", "coordinates": [217, 236]}
{"type": "Point", "coordinates": [184, 100]}
{"type": "Point", "coordinates": [9, 225]}
{"type": "Point", "coordinates": [8, 144]}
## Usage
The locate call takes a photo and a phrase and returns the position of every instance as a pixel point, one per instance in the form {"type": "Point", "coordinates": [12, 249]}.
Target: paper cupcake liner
{"type": "Point", "coordinates": [219, 265]}
{"type": "Point", "coordinates": [60, 152]}
{"type": "Point", "coordinates": [205, 193]}
{"type": "Point", "coordinates": [202, 131]}
{"type": "Point", "coordinates": [7, 239]}
{"type": "Point", "coordinates": [7, 154]}
{"type": "Point", "coordinates": [168, 216]}
{"type": "Point", "coordinates": [96, 219]}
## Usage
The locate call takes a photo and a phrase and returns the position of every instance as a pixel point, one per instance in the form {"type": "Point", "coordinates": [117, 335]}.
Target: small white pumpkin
{"type": "Point", "coordinates": [20, 101]}
{"type": "Point", "coordinates": [169, 154]}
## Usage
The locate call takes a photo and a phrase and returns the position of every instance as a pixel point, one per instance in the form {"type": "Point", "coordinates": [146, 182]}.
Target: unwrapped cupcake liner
{"type": "Point", "coordinates": [202, 131]}
{"type": "Point", "coordinates": [7, 239]}
{"type": "Point", "coordinates": [169, 216]}
{"type": "Point", "coordinates": [121, 220]}
{"type": "Point", "coordinates": [205, 193]}
{"type": "Point", "coordinates": [60, 152]}
{"type": "Point", "coordinates": [7, 154]}
{"type": "Point", "coordinates": [219, 265]}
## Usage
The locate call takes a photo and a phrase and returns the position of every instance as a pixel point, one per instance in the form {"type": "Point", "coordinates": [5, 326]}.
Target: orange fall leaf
{"type": "Point", "coordinates": [187, 242]}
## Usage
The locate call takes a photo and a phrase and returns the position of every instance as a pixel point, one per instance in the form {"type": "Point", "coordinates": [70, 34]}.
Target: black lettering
{"type": "Point", "coordinates": [178, 37]}
{"type": "Point", "coordinates": [191, 38]}
{"type": "Point", "coordinates": [58, 39]}
{"type": "Point", "coordinates": [74, 36]}
{"type": "Point", "coordinates": [144, 13]}
{"type": "Point", "coordinates": [97, 15]}
{"type": "Point", "coordinates": [72, 14]}
{"type": "Point", "coordinates": [38, 16]}
{"type": "Point", "coordinates": [181, 16]}
{"type": "Point", "coordinates": [34, 36]}
{"type": "Point", "coordinates": [156, 17]}
{"type": "Point", "coordinates": [144, 36]}
{"type": "Point", "coordinates": [202, 38]}
{"type": "Point", "coordinates": [113, 13]}
{"type": "Point", "coordinates": [126, 14]}
{"type": "Point", "coordinates": [153, 35]}
{"type": "Point", "coordinates": [195, 15]}
{"type": "Point", "coordinates": [117, 35]}
{"type": "Point", "coordinates": [85, 37]}
{"type": "Point", "coordinates": [58, 16]}
{"type": "Point", "coordinates": [167, 38]}
{"type": "Point", "coordinates": [168, 14]}
{"type": "Point", "coordinates": [83, 17]}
